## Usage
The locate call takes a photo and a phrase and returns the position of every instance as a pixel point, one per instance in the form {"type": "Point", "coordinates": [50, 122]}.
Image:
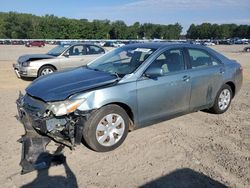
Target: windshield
{"type": "Point", "coordinates": [58, 50]}
{"type": "Point", "coordinates": [121, 61]}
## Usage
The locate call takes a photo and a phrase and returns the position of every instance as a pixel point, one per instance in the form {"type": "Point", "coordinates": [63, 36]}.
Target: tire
{"type": "Point", "coordinates": [101, 135]}
{"type": "Point", "coordinates": [44, 70]}
{"type": "Point", "coordinates": [223, 100]}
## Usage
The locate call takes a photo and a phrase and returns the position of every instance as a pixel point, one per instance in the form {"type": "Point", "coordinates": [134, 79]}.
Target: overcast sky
{"type": "Point", "coordinates": [155, 11]}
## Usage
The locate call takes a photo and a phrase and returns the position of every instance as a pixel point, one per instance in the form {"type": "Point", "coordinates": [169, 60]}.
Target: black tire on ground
{"type": "Point", "coordinates": [216, 108]}
{"type": "Point", "coordinates": [44, 68]}
{"type": "Point", "coordinates": [90, 127]}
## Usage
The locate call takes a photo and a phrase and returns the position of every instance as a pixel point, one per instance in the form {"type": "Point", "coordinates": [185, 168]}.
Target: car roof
{"type": "Point", "coordinates": [159, 45]}
{"type": "Point", "coordinates": [162, 45]}
{"type": "Point", "coordinates": [77, 43]}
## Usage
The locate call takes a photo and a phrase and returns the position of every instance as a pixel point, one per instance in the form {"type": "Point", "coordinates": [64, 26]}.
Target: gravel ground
{"type": "Point", "coordinates": [195, 150]}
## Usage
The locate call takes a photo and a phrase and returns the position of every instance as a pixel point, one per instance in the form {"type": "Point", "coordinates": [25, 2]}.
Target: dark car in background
{"type": "Point", "coordinates": [247, 49]}
{"type": "Point", "coordinates": [17, 42]}
{"type": "Point", "coordinates": [225, 42]}
{"type": "Point", "coordinates": [5, 42]}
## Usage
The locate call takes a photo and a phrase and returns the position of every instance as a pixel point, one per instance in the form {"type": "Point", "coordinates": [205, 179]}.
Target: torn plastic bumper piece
{"type": "Point", "coordinates": [34, 154]}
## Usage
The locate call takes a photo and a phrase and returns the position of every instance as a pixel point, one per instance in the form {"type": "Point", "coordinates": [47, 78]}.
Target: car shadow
{"type": "Point", "coordinates": [44, 180]}
{"type": "Point", "coordinates": [28, 79]}
{"type": "Point", "coordinates": [184, 178]}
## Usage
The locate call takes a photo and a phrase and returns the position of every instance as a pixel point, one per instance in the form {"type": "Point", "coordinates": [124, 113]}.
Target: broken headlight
{"type": "Point", "coordinates": [65, 107]}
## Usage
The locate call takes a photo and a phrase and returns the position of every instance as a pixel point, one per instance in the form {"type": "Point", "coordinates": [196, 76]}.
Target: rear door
{"type": "Point", "coordinates": [165, 95]}
{"type": "Point", "coordinates": [93, 52]}
{"type": "Point", "coordinates": [206, 74]}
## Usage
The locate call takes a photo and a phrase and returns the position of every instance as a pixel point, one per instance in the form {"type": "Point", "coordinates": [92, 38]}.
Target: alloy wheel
{"type": "Point", "coordinates": [46, 71]}
{"type": "Point", "coordinates": [224, 99]}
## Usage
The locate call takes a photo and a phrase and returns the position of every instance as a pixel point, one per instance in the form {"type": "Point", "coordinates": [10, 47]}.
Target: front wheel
{"type": "Point", "coordinates": [46, 70]}
{"type": "Point", "coordinates": [106, 128]}
{"type": "Point", "coordinates": [223, 100]}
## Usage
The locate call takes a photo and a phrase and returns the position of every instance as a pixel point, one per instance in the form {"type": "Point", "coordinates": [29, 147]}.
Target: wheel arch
{"type": "Point", "coordinates": [129, 111]}
{"type": "Point", "coordinates": [232, 85]}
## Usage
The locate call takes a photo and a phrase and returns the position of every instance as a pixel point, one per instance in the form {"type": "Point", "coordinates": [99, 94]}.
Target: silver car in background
{"type": "Point", "coordinates": [59, 58]}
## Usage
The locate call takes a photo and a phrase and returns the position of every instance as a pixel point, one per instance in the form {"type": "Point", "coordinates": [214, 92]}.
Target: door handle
{"type": "Point", "coordinates": [186, 78]}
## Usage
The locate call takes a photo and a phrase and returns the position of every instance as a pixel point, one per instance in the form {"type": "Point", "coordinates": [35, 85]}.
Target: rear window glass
{"type": "Point", "coordinates": [199, 58]}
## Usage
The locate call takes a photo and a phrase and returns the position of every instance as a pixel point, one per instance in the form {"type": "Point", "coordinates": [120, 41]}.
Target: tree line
{"type": "Point", "coordinates": [27, 26]}
{"type": "Point", "coordinates": [215, 31]}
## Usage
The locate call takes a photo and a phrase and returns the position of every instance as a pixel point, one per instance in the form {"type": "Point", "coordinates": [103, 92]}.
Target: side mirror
{"type": "Point", "coordinates": [66, 54]}
{"type": "Point", "coordinates": [154, 72]}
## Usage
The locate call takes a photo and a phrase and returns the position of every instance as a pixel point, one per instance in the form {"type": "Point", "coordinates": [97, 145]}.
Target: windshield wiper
{"type": "Point", "coordinates": [113, 62]}
{"type": "Point", "coordinates": [53, 54]}
{"type": "Point", "coordinates": [113, 73]}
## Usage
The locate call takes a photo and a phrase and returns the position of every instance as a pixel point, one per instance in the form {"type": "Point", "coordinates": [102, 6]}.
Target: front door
{"type": "Point", "coordinates": [165, 95]}
{"type": "Point", "coordinates": [74, 57]}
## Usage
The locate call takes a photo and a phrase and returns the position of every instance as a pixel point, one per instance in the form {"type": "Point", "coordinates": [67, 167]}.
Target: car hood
{"type": "Point", "coordinates": [60, 85]}
{"type": "Point", "coordinates": [33, 57]}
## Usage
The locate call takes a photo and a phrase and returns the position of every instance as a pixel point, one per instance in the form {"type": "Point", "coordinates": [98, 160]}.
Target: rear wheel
{"type": "Point", "coordinates": [106, 128]}
{"type": "Point", "coordinates": [223, 100]}
{"type": "Point", "coordinates": [46, 70]}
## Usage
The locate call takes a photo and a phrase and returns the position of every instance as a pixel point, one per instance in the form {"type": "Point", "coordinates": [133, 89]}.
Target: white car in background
{"type": "Point", "coordinates": [209, 44]}
{"type": "Point", "coordinates": [118, 44]}
{"type": "Point", "coordinates": [99, 43]}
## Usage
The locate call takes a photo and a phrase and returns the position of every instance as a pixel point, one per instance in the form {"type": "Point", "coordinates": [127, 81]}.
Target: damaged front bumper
{"type": "Point", "coordinates": [16, 69]}
{"type": "Point", "coordinates": [40, 129]}
{"type": "Point", "coordinates": [22, 71]}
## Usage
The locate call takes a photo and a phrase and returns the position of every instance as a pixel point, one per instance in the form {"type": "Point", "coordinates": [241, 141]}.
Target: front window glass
{"type": "Point", "coordinates": [122, 61]}
{"type": "Point", "coordinates": [77, 50]}
{"type": "Point", "coordinates": [58, 50]}
{"type": "Point", "coordinates": [170, 61]}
